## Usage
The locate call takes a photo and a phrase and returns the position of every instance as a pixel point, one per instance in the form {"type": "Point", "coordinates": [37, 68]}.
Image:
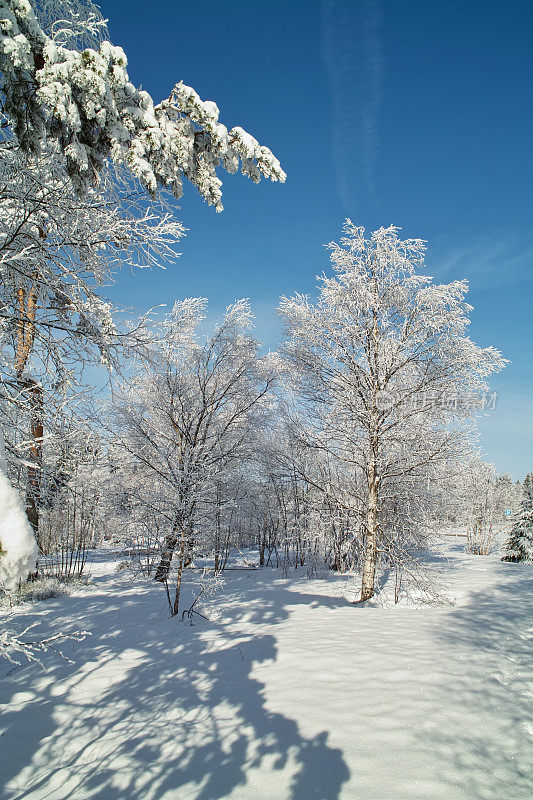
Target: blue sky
{"type": "Point", "coordinates": [414, 113]}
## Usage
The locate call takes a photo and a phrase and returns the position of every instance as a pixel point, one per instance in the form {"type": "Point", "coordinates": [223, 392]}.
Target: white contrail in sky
{"type": "Point", "coordinates": [353, 55]}
{"type": "Point", "coordinates": [501, 258]}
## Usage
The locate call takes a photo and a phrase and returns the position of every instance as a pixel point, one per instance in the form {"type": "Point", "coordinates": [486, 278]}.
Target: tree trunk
{"type": "Point", "coordinates": [217, 531]}
{"type": "Point", "coordinates": [370, 554]}
{"type": "Point", "coordinates": [371, 545]}
{"type": "Point", "coordinates": [168, 551]}
{"type": "Point", "coordinates": [33, 485]}
{"type": "Point", "coordinates": [180, 572]}
{"type": "Point", "coordinates": [27, 303]}
{"type": "Point", "coordinates": [189, 551]}
{"type": "Point", "coordinates": [263, 543]}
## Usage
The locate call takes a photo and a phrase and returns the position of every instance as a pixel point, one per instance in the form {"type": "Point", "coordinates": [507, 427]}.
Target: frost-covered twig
{"type": "Point", "coordinates": [15, 647]}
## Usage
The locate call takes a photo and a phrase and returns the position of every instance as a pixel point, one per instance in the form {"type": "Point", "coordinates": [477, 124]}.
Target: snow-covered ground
{"type": "Point", "coordinates": [290, 693]}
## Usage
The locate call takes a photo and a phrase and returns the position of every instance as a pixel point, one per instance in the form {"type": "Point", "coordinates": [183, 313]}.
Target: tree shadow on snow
{"type": "Point", "coordinates": [153, 709]}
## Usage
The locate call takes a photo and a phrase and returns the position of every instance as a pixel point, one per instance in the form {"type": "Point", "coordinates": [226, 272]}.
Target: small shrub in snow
{"type": "Point", "coordinates": [34, 591]}
{"type": "Point", "coordinates": [44, 589]}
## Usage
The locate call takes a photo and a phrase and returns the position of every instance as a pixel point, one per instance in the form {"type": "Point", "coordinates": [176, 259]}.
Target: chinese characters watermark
{"type": "Point", "coordinates": [451, 401]}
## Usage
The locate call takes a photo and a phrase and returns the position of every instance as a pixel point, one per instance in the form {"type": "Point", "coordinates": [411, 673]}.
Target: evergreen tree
{"type": "Point", "coordinates": [520, 544]}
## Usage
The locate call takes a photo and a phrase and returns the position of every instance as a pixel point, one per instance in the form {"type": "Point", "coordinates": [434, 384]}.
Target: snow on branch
{"type": "Point", "coordinates": [87, 104]}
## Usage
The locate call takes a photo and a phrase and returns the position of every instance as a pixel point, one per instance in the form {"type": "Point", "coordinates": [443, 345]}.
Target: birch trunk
{"type": "Point", "coordinates": [183, 540]}
{"type": "Point", "coordinates": [371, 542]}
{"type": "Point", "coordinates": [371, 538]}
{"type": "Point", "coordinates": [33, 486]}
{"type": "Point", "coordinates": [169, 546]}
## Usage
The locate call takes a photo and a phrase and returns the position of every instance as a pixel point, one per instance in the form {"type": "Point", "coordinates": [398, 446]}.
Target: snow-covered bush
{"type": "Point", "coordinates": [34, 591]}
{"type": "Point", "coordinates": [18, 548]}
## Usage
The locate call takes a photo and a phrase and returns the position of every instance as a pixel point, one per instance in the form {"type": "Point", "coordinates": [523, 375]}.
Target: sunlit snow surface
{"type": "Point", "coordinates": [290, 693]}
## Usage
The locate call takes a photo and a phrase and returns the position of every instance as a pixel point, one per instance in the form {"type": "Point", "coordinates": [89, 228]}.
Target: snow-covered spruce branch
{"type": "Point", "coordinates": [86, 102]}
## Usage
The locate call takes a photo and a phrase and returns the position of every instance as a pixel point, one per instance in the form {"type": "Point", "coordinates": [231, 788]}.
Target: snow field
{"type": "Point", "coordinates": [291, 692]}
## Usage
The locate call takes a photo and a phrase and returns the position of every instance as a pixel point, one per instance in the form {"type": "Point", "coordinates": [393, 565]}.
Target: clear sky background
{"type": "Point", "coordinates": [411, 113]}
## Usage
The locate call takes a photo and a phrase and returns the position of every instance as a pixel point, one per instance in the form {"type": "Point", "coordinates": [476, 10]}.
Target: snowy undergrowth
{"type": "Point", "coordinates": [44, 588]}
{"type": "Point", "coordinates": [292, 693]}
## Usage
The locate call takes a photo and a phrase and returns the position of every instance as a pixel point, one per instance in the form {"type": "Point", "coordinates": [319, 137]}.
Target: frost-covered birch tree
{"type": "Point", "coordinates": [188, 420]}
{"type": "Point", "coordinates": [387, 376]}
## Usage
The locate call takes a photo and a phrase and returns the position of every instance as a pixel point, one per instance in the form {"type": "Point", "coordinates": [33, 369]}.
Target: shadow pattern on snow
{"type": "Point", "coordinates": [153, 709]}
